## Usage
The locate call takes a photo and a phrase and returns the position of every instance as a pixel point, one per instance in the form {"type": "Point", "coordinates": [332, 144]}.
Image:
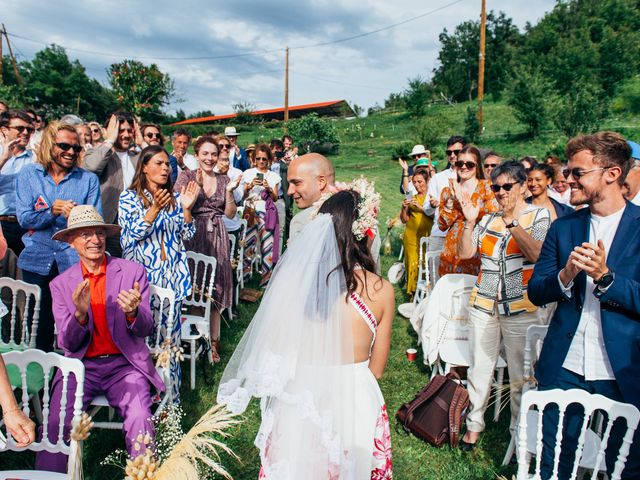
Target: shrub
{"type": "Point", "coordinates": [314, 134]}
{"type": "Point", "coordinates": [532, 98]}
{"type": "Point", "coordinates": [416, 96]}
{"type": "Point", "coordinates": [402, 150]}
{"type": "Point", "coordinates": [627, 99]}
{"type": "Point", "coordinates": [581, 110]}
{"type": "Point", "coordinates": [472, 128]}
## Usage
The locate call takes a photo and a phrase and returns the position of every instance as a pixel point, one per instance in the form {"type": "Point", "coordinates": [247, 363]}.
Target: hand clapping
{"type": "Point", "coordinates": [189, 195]}
{"type": "Point", "coordinates": [129, 300]}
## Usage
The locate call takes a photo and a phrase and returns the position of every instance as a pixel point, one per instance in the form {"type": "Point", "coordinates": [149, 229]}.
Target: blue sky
{"type": "Point", "coordinates": [171, 34]}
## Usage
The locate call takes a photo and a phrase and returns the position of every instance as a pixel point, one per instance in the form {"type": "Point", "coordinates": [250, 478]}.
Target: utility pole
{"type": "Point", "coordinates": [13, 59]}
{"type": "Point", "coordinates": [483, 25]}
{"type": "Point", "coordinates": [286, 89]}
{"type": "Point", "coordinates": [1, 62]}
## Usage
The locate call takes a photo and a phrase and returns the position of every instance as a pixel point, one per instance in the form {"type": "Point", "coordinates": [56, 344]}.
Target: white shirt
{"type": "Point", "coordinates": [587, 355]}
{"type": "Point", "coordinates": [247, 177]}
{"type": "Point", "coordinates": [234, 224]}
{"type": "Point", "coordinates": [564, 197]}
{"type": "Point", "coordinates": [128, 169]}
{"type": "Point", "coordinates": [636, 200]}
{"type": "Point", "coordinates": [436, 184]}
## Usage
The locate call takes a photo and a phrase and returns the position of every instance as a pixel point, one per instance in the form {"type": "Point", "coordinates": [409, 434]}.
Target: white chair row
{"type": "Point", "coordinates": [21, 327]}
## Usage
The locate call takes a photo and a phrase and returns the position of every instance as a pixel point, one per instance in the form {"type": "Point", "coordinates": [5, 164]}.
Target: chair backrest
{"type": "Point", "coordinates": [432, 262]}
{"type": "Point", "coordinates": [203, 276]}
{"type": "Point", "coordinates": [533, 345]}
{"type": "Point", "coordinates": [162, 302]}
{"type": "Point", "coordinates": [41, 363]}
{"type": "Point", "coordinates": [591, 404]}
{"type": "Point", "coordinates": [232, 246]}
{"type": "Point", "coordinates": [423, 271]}
{"type": "Point", "coordinates": [21, 327]}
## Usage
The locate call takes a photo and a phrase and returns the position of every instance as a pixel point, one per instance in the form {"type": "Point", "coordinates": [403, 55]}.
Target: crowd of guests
{"type": "Point", "coordinates": [97, 213]}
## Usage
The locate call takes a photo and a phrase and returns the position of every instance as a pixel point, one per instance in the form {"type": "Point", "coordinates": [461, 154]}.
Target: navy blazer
{"type": "Point", "coordinates": [560, 208]}
{"type": "Point", "coordinates": [620, 304]}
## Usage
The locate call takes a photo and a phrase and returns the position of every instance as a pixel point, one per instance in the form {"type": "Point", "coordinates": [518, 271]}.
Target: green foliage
{"type": "Point", "coordinates": [582, 110]}
{"type": "Point", "coordinates": [313, 133]}
{"type": "Point", "coordinates": [140, 89]}
{"type": "Point", "coordinates": [532, 98]}
{"type": "Point", "coordinates": [416, 96]}
{"type": "Point", "coordinates": [435, 129]}
{"type": "Point", "coordinates": [627, 99]}
{"type": "Point", "coordinates": [472, 130]}
{"type": "Point", "coordinates": [401, 150]}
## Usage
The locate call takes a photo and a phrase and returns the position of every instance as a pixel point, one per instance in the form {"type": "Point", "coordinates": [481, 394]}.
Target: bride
{"type": "Point", "coordinates": [314, 350]}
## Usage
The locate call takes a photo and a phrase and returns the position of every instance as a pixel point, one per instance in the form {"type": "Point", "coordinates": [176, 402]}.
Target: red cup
{"type": "Point", "coordinates": [412, 354]}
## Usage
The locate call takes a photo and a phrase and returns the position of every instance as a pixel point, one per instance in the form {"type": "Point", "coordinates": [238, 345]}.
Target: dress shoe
{"type": "Point", "coordinates": [466, 446]}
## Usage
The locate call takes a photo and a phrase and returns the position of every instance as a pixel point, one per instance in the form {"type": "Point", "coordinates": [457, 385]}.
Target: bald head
{"type": "Point", "coordinates": [309, 176]}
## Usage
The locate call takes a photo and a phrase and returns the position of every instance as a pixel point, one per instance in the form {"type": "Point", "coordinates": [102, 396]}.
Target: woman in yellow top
{"type": "Point", "coordinates": [471, 184]}
{"type": "Point", "coordinates": [418, 224]}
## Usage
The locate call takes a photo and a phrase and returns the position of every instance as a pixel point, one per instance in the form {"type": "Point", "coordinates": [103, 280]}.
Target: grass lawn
{"type": "Point", "coordinates": [366, 148]}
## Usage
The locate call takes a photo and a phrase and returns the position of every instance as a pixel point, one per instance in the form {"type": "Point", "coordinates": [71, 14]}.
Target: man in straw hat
{"type": "Point", "coordinates": [237, 156]}
{"type": "Point", "coordinates": [102, 314]}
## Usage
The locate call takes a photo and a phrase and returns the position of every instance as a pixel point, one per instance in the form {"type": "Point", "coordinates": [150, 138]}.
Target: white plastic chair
{"type": "Point", "coordinates": [428, 263]}
{"type": "Point", "coordinates": [203, 273]}
{"type": "Point", "coordinates": [162, 301]}
{"type": "Point", "coordinates": [532, 347]}
{"type": "Point", "coordinates": [530, 429]}
{"type": "Point", "coordinates": [22, 333]}
{"type": "Point", "coordinates": [67, 366]}
{"type": "Point", "coordinates": [240, 256]}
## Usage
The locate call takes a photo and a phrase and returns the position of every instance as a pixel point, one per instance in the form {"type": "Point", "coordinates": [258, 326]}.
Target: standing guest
{"type": "Point", "coordinates": [46, 192]}
{"type": "Point", "coordinates": [237, 156]}
{"type": "Point", "coordinates": [214, 202]}
{"type": "Point", "coordinates": [509, 243]}
{"type": "Point", "coordinates": [632, 182]}
{"type": "Point", "coordinates": [470, 183]}
{"type": "Point", "coordinates": [96, 134]}
{"type": "Point", "coordinates": [588, 264]}
{"type": "Point", "coordinates": [84, 134]}
{"type": "Point", "coordinates": [112, 346]}
{"type": "Point", "coordinates": [115, 164]}
{"type": "Point", "coordinates": [560, 188]}
{"type": "Point", "coordinates": [439, 181]}
{"type": "Point", "coordinates": [491, 161]}
{"type": "Point", "coordinates": [290, 152]}
{"type": "Point", "coordinates": [261, 186]}
{"type": "Point", "coordinates": [182, 159]}
{"type": "Point", "coordinates": [416, 154]}
{"type": "Point", "coordinates": [418, 226]}
{"type": "Point", "coordinates": [16, 128]}
{"type": "Point", "coordinates": [251, 153]}
{"type": "Point", "coordinates": [284, 205]}
{"type": "Point", "coordinates": [38, 126]}
{"type": "Point", "coordinates": [155, 224]}
{"type": "Point", "coordinates": [528, 162]}
{"type": "Point", "coordinates": [539, 180]}
{"type": "Point", "coordinates": [151, 135]}
{"type": "Point", "coordinates": [553, 161]}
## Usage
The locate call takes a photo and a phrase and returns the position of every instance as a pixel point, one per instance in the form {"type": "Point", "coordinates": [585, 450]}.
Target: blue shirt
{"type": "Point", "coordinates": [8, 176]}
{"type": "Point", "coordinates": [35, 194]}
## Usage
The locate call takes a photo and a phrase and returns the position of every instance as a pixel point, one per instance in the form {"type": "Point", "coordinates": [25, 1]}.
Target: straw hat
{"type": "Point", "coordinates": [230, 132]}
{"type": "Point", "coordinates": [418, 150]}
{"type": "Point", "coordinates": [83, 216]}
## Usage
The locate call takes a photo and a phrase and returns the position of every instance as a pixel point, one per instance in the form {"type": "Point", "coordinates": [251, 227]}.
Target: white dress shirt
{"type": "Point", "coordinates": [587, 355]}
{"type": "Point", "coordinates": [128, 169]}
{"type": "Point", "coordinates": [436, 184]}
{"type": "Point", "coordinates": [636, 200]}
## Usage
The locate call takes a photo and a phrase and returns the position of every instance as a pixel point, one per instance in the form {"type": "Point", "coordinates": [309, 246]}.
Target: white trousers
{"type": "Point", "coordinates": [485, 334]}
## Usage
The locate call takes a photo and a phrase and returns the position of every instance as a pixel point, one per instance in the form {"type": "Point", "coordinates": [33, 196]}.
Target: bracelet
{"type": "Point", "coordinates": [11, 410]}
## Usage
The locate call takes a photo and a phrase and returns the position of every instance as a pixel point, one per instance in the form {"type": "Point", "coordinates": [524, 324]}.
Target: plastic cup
{"type": "Point", "coordinates": [412, 354]}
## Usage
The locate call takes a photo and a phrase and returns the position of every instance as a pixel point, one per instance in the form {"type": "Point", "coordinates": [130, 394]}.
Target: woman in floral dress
{"type": "Point", "coordinates": [155, 224]}
{"type": "Point", "coordinates": [470, 180]}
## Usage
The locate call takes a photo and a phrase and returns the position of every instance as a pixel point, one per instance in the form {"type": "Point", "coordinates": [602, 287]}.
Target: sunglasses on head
{"type": "Point", "coordinates": [66, 146]}
{"type": "Point", "coordinates": [452, 152]}
{"type": "Point", "coordinates": [505, 186]}
{"type": "Point", "coordinates": [461, 164]}
{"type": "Point", "coordinates": [22, 128]}
{"type": "Point", "coordinates": [578, 172]}
{"type": "Point", "coordinates": [153, 135]}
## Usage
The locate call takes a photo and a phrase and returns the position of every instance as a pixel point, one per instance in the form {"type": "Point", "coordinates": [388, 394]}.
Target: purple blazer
{"type": "Point", "coordinates": [74, 339]}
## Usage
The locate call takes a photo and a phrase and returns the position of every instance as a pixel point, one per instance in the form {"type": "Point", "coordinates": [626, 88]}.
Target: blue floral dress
{"type": "Point", "coordinates": [159, 247]}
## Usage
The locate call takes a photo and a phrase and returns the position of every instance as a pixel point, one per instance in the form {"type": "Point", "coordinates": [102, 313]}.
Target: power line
{"type": "Point", "coordinates": [250, 53]}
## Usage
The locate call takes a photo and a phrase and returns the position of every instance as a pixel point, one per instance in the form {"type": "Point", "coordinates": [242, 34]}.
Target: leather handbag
{"type": "Point", "coordinates": [436, 414]}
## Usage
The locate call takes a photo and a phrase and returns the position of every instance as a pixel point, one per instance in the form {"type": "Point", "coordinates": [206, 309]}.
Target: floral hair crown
{"type": "Point", "coordinates": [366, 221]}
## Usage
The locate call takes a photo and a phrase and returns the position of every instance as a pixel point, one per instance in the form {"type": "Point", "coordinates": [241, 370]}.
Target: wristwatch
{"type": "Point", "coordinates": [513, 224]}
{"type": "Point", "coordinates": [604, 281]}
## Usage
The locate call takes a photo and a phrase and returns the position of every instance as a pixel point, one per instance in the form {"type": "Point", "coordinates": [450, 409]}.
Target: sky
{"type": "Point", "coordinates": [223, 53]}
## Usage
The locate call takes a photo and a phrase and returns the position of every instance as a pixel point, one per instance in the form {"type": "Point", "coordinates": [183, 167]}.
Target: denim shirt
{"type": "Point", "coordinates": [35, 194]}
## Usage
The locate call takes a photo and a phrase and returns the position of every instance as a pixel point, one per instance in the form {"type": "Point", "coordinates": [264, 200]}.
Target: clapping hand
{"type": "Point", "coordinates": [469, 209]}
{"type": "Point", "coordinates": [82, 301]}
{"type": "Point", "coordinates": [138, 138]}
{"type": "Point", "coordinates": [62, 207]}
{"type": "Point", "coordinates": [508, 209]}
{"type": "Point", "coordinates": [129, 300]}
{"type": "Point", "coordinates": [10, 149]}
{"type": "Point", "coordinates": [234, 184]}
{"type": "Point", "coordinates": [21, 428]}
{"type": "Point", "coordinates": [161, 198]}
{"type": "Point", "coordinates": [590, 258]}
{"type": "Point", "coordinates": [189, 195]}
{"type": "Point", "coordinates": [113, 128]}
{"type": "Point", "coordinates": [403, 165]}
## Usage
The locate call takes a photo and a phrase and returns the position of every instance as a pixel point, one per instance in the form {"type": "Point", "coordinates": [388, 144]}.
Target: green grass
{"type": "Point", "coordinates": [365, 150]}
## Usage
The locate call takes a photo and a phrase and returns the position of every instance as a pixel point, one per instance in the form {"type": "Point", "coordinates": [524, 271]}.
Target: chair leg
{"type": "Point", "coordinates": [510, 451]}
{"type": "Point", "coordinates": [192, 362]}
{"type": "Point", "coordinates": [498, 403]}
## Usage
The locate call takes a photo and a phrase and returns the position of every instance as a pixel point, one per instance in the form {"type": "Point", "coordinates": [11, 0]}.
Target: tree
{"type": "Point", "coordinates": [244, 111]}
{"type": "Point", "coordinates": [416, 96]}
{"type": "Point", "coordinates": [140, 89]}
{"type": "Point", "coordinates": [531, 96]}
{"type": "Point", "coordinates": [472, 130]}
{"type": "Point", "coordinates": [314, 134]}
{"type": "Point", "coordinates": [582, 110]}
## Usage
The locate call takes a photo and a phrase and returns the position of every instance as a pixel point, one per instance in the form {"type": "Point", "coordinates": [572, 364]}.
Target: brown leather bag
{"type": "Point", "coordinates": [437, 412]}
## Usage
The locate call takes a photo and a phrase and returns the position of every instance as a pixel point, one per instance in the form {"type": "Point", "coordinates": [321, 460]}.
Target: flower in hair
{"type": "Point", "coordinates": [366, 221]}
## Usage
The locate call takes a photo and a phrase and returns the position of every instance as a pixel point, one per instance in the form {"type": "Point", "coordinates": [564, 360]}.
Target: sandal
{"type": "Point", "coordinates": [214, 356]}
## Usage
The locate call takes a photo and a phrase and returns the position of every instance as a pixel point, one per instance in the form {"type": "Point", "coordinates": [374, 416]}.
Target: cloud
{"type": "Point", "coordinates": [364, 70]}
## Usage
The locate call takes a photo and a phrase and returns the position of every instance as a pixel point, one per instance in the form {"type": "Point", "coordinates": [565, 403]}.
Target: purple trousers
{"type": "Point", "coordinates": [127, 390]}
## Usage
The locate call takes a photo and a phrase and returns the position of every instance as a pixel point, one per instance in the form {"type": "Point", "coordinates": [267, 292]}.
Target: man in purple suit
{"type": "Point", "coordinates": [102, 314]}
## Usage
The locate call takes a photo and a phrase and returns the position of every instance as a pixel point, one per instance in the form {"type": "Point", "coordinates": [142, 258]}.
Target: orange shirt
{"type": "Point", "coordinates": [101, 341]}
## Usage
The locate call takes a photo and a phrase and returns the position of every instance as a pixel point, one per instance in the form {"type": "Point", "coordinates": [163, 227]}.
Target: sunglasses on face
{"type": "Point", "coordinates": [152, 135]}
{"type": "Point", "coordinates": [452, 152]}
{"type": "Point", "coordinates": [505, 186]}
{"type": "Point", "coordinates": [66, 146]}
{"type": "Point", "coordinates": [22, 128]}
{"type": "Point", "coordinates": [461, 164]}
{"type": "Point", "coordinates": [264, 159]}
{"type": "Point", "coordinates": [578, 172]}
{"type": "Point", "coordinates": [223, 145]}
{"type": "Point", "coordinates": [490, 165]}
{"type": "Point", "coordinates": [95, 130]}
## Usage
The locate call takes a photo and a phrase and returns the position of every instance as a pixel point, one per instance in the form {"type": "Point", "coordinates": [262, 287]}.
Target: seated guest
{"type": "Point", "coordinates": [589, 265]}
{"type": "Point", "coordinates": [112, 347]}
{"type": "Point", "coordinates": [46, 192]}
{"type": "Point", "coordinates": [214, 202]}
{"type": "Point", "coordinates": [539, 180]}
{"type": "Point", "coordinates": [418, 225]}
{"type": "Point", "coordinates": [155, 224]}
{"type": "Point", "coordinates": [509, 242]}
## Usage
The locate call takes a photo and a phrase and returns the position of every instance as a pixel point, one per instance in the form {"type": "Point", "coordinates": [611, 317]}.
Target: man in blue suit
{"type": "Point", "coordinates": [590, 265]}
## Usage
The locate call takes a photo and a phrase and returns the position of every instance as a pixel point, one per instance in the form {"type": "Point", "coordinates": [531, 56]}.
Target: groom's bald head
{"type": "Point", "coordinates": [309, 177]}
